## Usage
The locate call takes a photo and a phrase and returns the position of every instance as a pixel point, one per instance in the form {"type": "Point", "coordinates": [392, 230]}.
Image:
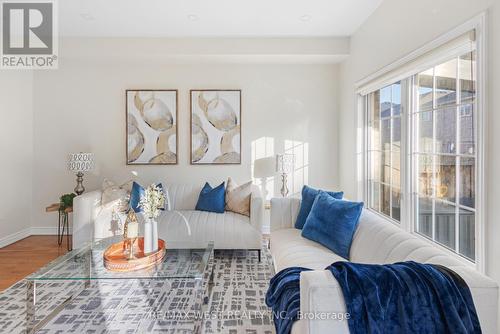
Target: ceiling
{"type": "Point", "coordinates": [212, 18]}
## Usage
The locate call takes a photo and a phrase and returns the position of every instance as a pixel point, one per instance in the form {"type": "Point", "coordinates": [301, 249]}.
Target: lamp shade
{"type": "Point", "coordinates": [81, 162]}
{"type": "Point", "coordinates": [264, 167]}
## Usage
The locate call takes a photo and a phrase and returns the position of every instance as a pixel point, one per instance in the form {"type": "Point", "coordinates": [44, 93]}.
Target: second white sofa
{"type": "Point", "coordinates": [376, 241]}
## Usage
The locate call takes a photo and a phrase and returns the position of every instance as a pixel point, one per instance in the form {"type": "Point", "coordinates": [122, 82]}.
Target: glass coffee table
{"type": "Point", "coordinates": [183, 261]}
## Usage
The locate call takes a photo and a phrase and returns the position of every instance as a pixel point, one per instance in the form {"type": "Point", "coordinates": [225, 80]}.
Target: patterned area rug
{"type": "Point", "coordinates": [237, 303]}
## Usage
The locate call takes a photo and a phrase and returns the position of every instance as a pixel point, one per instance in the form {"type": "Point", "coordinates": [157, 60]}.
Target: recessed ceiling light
{"type": "Point", "coordinates": [305, 18]}
{"type": "Point", "coordinates": [193, 17]}
{"type": "Point", "coordinates": [87, 16]}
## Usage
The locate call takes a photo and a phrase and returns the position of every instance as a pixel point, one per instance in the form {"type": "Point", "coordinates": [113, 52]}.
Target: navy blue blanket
{"type": "Point", "coordinates": [283, 297]}
{"type": "Point", "coordinates": [405, 297]}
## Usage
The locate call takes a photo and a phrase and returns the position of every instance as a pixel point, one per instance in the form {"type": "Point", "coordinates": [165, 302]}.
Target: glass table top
{"type": "Point", "coordinates": [183, 260]}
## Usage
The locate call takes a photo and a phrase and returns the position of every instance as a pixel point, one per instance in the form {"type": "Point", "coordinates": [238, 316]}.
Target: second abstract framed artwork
{"type": "Point", "coordinates": [215, 126]}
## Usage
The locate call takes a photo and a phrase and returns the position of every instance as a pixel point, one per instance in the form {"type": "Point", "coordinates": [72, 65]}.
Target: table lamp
{"type": "Point", "coordinates": [284, 166]}
{"type": "Point", "coordinates": [264, 168]}
{"type": "Point", "coordinates": [79, 163]}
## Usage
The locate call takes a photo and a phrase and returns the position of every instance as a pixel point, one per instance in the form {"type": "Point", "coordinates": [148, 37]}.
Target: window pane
{"type": "Point", "coordinates": [467, 182]}
{"type": "Point", "coordinates": [467, 76]}
{"type": "Point", "coordinates": [425, 180]}
{"type": "Point", "coordinates": [396, 169]}
{"type": "Point", "coordinates": [444, 149]}
{"type": "Point", "coordinates": [445, 224]}
{"type": "Point", "coordinates": [386, 134]}
{"type": "Point", "coordinates": [374, 104]}
{"type": "Point", "coordinates": [396, 204]}
{"type": "Point", "coordinates": [446, 177]}
{"type": "Point", "coordinates": [385, 102]}
{"type": "Point", "coordinates": [386, 167]}
{"type": "Point", "coordinates": [467, 138]}
{"type": "Point", "coordinates": [375, 170]}
{"type": "Point", "coordinates": [424, 120]}
{"type": "Point", "coordinates": [386, 198]}
{"type": "Point", "coordinates": [467, 234]}
{"type": "Point", "coordinates": [425, 90]}
{"type": "Point", "coordinates": [374, 195]}
{"type": "Point", "coordinates": [424, 216]}
{"type": "Point", "coordinates": [446, 83]}
{"type": "Point", "coordinates": [396, 134]}
{"type": "Point", "coordinates": [375, 136]}
{"type": "Point", "coordinates": [446, 130]}
{"type": "Point", "coordinates": [396, 99]}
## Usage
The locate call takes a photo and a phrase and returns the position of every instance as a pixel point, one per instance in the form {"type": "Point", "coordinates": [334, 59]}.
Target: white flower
{"type": "Point", "coordinates": [152, 200]}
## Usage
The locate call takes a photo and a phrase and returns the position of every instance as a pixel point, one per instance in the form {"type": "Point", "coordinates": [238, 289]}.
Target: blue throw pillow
{"type": "Point", "coordinates": [308, 196]}
{"type": "Point", "coordinates": [332, 223]}
{"type": "Point", "coordinates": [135, 196]}
{"type": "Point", "coordinates": [212, 199]}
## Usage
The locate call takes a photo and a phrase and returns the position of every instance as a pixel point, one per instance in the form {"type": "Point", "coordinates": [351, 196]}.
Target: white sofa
{"type": "Point", "coordinates": [228, 230]}
{"type": "Point", "coordinates": [376, 241]}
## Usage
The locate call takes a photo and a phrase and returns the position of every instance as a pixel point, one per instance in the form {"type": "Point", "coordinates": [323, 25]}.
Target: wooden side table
{"type": "Point", "coordinates": [63, 223]}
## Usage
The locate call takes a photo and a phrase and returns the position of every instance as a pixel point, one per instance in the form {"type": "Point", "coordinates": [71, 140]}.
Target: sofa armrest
{"type": "Point", "coordinates": [284, 212]}
{"type": "Point", "coordinates": [322, 303]}
{"type": "Point", "coordinates": [85, 209]}
{"type": "Point", "coordinates": [256, 208]}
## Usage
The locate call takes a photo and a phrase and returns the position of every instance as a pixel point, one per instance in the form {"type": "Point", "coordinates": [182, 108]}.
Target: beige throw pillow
{"type": "Point", "coordinates": [119, 196]}
{"type": "Point", "coordinates": [238, 197]}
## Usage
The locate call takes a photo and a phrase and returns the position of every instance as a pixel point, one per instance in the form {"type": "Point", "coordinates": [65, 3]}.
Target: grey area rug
{"type": "Point", "coordinates": [237, 303]}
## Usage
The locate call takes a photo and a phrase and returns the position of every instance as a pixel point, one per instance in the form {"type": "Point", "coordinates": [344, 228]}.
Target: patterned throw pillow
{"type": "Point", "coordinates": [238, 197]}
{"type": "Point", "coordinates": [118, 195]}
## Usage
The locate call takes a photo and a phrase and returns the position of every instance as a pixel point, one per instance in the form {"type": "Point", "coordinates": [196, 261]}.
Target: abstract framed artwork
{"type": "Point", "coordinates": [151, 126]}
{"type": "Point", "coordinates": [215, 126]}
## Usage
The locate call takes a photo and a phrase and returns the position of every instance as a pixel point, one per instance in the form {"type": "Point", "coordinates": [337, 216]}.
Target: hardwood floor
{"type": "Point", "coordinates": [26, 256]}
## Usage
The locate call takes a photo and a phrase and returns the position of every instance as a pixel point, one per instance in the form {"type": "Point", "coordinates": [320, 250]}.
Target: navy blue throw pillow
{"type": "Point", "coordinates": [212, 199]}
{"type": "Point", "coordinates": [136, 193]}
{"type": "Point", "coordinates": [308, 196]}
{"type": "Point", "coordinates": [332, 223]}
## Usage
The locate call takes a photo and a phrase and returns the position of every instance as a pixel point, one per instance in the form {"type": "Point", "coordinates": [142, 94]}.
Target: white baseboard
{"type": "Point", "coordinates": [10, 239]}
{"type": "Point", "coordinates": [45, 230]}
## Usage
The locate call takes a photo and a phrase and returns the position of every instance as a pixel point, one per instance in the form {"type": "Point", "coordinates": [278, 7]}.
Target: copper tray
{"type": "Point", "coordinates": [115, 260]}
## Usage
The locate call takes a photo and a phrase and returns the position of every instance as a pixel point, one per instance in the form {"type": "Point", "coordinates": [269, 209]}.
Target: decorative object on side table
{"type": "Point", "coordinates": [79, 163]}
{"type": "Point", "coordinates": [151, 203]}
{"type": "Point", "coordinates": [284, 166]}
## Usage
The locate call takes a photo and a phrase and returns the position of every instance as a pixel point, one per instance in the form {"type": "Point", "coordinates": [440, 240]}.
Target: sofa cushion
{"type": "Point", "coordinates": [308, 196]}
{"type": "Point", "coordinates": [290, 249]}
{"type": "Point", "coordinates": [183, 196]}
{"type": "Point", "coordinates": [238, 197]}
{"type": "Point", "coordinates": [212, 199]}
{"type": "Point", "coordinates": [228, 230]}
{"type": "Point", "coordinates": [332, 223]}
{"type": "Point", "coordinates": [118, 194]}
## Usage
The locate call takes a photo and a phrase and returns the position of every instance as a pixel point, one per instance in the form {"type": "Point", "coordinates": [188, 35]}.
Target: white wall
{"type": "Point", "coordinates": [396, 28]}
{"type": "Point", "coordinates": [16, 149]}
{"type": "Point", "coordinates": [81, 107]}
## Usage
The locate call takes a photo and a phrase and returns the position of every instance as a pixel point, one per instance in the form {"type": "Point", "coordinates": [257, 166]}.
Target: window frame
{"type": "Point", "coordinates": [408, 103]}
